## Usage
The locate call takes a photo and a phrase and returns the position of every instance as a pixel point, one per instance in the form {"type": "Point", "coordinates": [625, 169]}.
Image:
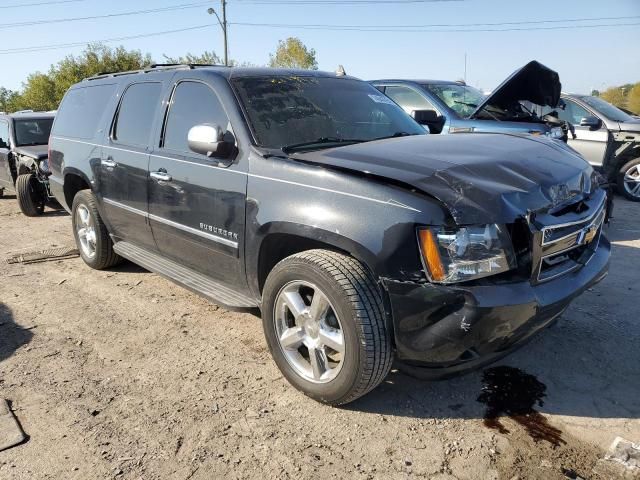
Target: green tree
{"type": "Point", "coordinates": [633, 99]}
{"type": "Point", "coordinates": [595, 93]}
{"type": "Point", "coordinates": [615, 96]}
{"type": "Point", "coordinates": [206, 58]}
{"type": "Point", "coordinates": [39, 93]}
{"type": "Point", "coordinates": [8, 100]}
{"type": "Point", "coordinates": [95, 59]}
{"type": "Point", "coordinates": [292, 53]}
{"type": "Point", "coordinates": [43, 91]}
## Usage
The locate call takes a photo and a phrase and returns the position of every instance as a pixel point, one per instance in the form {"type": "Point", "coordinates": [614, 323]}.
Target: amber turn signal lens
{"type": "Point", "coordinates": [431, 254]}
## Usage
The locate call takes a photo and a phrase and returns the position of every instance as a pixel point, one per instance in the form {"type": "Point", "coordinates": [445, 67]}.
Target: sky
{"type": "Point", "coordinates": [586, 58]}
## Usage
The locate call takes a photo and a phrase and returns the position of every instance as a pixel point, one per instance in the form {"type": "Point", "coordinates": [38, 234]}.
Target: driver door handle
{"type": "Point", "coordinates": [161, 176]}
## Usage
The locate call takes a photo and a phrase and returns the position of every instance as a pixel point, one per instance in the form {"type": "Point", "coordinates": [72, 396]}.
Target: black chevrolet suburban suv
{"type": "Point", "coordinates": [317, 200]}
{"type": "Point", "coordinates": [23, 159]}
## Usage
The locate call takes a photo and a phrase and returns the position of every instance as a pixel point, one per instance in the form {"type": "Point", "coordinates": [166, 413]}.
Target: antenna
{"type": "Point", "coordinates": [465, 67]}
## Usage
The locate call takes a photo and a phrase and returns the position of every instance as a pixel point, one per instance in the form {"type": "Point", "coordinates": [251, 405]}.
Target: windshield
{"type": "Point", "coordinates": [324, 111]}
{"type": "Point", "coordinates": [33, 131]}
{"type": "Point", "coordinates": [462, 99]}
{"type": "Point", "coordinates": [606, 109]}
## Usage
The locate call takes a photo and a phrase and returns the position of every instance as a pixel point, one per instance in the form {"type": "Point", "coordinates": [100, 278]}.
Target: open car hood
{"type": "Point", "coordinates": [37, 152]}
{"type": "Point", "coordinates": [488, 178]}
{"type": "Point", "coordinates": [534, 83]}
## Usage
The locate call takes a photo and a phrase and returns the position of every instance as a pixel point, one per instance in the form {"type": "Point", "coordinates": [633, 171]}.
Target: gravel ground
{"type": "Point", "coordinates": [121, 374]}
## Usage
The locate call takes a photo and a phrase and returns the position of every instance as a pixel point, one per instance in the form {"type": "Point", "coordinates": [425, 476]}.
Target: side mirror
{"type": "Point", "coordinates": [425, 117]}
{"type": "Point", "coordinates": [208, 139]}
{"type": "Point", "coordinates": [591, 122]}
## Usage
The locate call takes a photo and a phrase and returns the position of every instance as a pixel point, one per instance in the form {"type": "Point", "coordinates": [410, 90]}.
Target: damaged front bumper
{"type": "Point", "coordinates": [445, 330]}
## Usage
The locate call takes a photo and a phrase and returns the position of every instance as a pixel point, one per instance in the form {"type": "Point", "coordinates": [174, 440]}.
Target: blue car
{"type": "Point", "coordinates": [454, 107]}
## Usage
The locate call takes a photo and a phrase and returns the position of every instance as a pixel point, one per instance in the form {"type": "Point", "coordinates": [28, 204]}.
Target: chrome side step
{"type": "Point", "coordinates": [185, 277]}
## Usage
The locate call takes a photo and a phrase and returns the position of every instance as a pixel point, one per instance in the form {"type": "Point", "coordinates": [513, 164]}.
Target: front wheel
{"type": "Point", "coordinates": [30, 196]}
{"type": "Point", "coordinates": [629, 180]}
{"type": "Point", "coordinates": [92, 238]}
{"type": "Point", "coordinates": [325, 325]}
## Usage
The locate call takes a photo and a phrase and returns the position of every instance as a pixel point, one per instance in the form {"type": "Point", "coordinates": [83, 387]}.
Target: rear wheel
{"type": "Point", "coordinates": [92, 238]}
{"type": "Point", "coordinates": [1, 192]}
{"type": "Point", "coordinates": [325, 325]}
{"type": "Point", "coordinates": [629, 180]}
{"type": "Point", "coordinates": [30, 196]}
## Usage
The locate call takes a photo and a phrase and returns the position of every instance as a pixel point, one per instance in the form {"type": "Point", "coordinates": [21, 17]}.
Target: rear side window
{"type": "Point", "coordinates": [136, 113]}
{"type": "Point", "coordinates": [4, 135]}
{"type": "Point", "coordinates": [81, 111]}
{"type": "Point", "coordinates": [193, 103]}
{"type": "Point", "coordinates": [408, 99]}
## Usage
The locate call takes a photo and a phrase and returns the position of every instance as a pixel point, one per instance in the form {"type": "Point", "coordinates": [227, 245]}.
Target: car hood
{"type": "Point", "coordinates": [480, 178]}
{"type": "Point", "coordinates": [632, 126]}
{"type": "Point", "coordinates": [37, 152]}
{"type": "Point", "coordinates": [534, 83]}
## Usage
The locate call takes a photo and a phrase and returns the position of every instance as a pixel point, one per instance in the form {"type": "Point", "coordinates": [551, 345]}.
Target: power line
{"type": "Point", "coordinates": [183, 6]}
{"type": "Point", "coordinates": [41, 48]}
{"type": "Point", "coordinates": [419, 29]}
{"type": "Point", "coordinates": [37, 4]}
{"type": "Point", "coordinates": [430, 25]}
{"type": "Point", "coordinates": [337, 2]}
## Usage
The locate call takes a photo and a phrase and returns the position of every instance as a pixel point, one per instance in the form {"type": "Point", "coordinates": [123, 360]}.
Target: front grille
{"type": "Point", "coordinates": [561, 248]}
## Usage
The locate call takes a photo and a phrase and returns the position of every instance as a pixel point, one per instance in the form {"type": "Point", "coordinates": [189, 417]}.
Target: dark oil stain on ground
{"type": "Point", "coordinates": [510, 391]}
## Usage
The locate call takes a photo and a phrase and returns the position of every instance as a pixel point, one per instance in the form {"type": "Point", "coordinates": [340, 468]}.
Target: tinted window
{"type": "Point", "coordinates": [285, 111]}
{"type": "Point", "coordinates": [573, 113]}
{"type": "Point", "coordinates": [408, 98]}
{"type": "Point", "coordinates": [605, 108]}
{"type": "Point", "coordinates": [81, 111]}
{"type": "Point", "coordinates": [4, 135]}
{"type": "Point", "coordinates": [136, 113]}
{"type": "Point", "coordinates": [33, 131]}
{"type": "Point", "coordinates": [193, 103]}
{"type": "Point", "coordinates": [462, 99]}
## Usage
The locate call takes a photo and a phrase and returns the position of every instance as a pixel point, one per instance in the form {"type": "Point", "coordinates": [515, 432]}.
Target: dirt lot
{"type": "Point", "coordinates": [121, 374]}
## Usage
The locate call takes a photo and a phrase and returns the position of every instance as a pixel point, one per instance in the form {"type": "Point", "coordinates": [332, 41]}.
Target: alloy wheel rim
{"type": "Point", "coordinates": [86, 231]}
{"type": "Point", "coordinates": [309, 332]}
{"type": "Point", "coordinates": [632, 181]}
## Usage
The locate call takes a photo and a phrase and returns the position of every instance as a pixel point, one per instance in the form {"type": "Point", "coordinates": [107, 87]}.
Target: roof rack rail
{"type": "Point", "coordinates": [153, 68]}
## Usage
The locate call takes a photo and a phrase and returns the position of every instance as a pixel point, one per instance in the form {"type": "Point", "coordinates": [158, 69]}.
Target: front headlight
{"type": "Point", "coordinates": [454, 255]}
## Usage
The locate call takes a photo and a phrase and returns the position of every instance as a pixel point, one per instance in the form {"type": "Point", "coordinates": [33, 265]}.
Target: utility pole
{"type": "Point", "coordinates": [224, 29]}
{"type": "Point", "coordinates": [223, 26]}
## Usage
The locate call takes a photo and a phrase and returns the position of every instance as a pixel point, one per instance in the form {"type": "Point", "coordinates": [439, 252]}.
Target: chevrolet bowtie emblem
{"type": "Point", "coordinates": [586, 235]}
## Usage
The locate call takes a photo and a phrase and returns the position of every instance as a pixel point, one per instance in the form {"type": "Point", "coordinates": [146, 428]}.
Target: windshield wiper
{"type": "Point", "coordinates": [472, 105]}
{"type": "Point", "coordinates": [398, 134]}
{"type": "Point", "coordinates": [322, 142]}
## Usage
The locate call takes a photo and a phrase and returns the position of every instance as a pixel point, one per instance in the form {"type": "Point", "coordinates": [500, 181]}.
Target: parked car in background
{"type": "Point", "coordinates": [607, 137]}
{"type": "Point", "coordinates": [23, 159]}
{"type": "Point", "coordinates": [454, 107]}
{"type": "Point", "coordinates": [316, 199]}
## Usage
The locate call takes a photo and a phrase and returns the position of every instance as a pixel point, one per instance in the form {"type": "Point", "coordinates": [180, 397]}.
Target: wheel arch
{"type": "Point", "coordinates": [280, 240]}
{"type": "Point", "coordinates": [74, 181]}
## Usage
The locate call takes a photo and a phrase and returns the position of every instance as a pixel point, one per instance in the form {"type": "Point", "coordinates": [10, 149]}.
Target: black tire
{"type": "Point", "coordinates": [29, 193]}
{"type": "Point", "coordinates": [104, 256]}
{"type": "Point", "coordinates": [354, 294]}
{"type": "Point", "coordinates": [620, 179]}
{"type": "Point", "coordinates": [1, 192]}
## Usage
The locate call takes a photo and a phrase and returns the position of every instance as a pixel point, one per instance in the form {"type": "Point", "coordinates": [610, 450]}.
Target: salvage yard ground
{"type": "Point", "coordinates": [121, 374]}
